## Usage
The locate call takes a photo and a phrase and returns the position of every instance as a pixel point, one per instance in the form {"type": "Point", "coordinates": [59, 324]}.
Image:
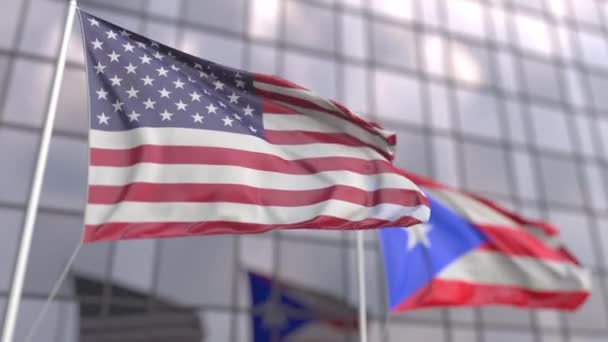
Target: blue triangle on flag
{"type": "Point", "coordinates": [261, 296]}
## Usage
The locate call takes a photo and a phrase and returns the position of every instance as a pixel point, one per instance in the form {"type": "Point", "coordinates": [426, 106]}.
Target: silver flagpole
{"type": "Point", "coordinates": [27, 233]}
{"type": "Point", "coordinates": [361, 281]}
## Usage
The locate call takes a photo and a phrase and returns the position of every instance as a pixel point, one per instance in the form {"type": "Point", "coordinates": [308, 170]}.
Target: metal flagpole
{"type": "Point", "coordinates": [27, 233]}
{"type": "Point", "coordinates": [361, 281]}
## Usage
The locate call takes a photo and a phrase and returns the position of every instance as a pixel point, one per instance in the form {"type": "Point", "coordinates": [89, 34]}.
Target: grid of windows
{"type": "Point", "coordinates": [506, 98]}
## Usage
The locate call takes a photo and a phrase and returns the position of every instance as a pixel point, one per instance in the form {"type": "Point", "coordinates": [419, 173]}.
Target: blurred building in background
{"type": "Point", "coordinates": [505, 98]}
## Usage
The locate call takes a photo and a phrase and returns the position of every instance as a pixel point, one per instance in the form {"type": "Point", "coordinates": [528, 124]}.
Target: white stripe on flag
{"type": "Point", "coordinates": [246, 213]}
{"type": "Point", "coordinates": [226, 174]}
{"type": "Point", "coordinates": [194, 137]}
{"type": "Point", "coordinates": [492, 268]}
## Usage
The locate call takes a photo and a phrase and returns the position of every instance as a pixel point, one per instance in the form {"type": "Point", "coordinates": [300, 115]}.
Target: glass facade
{"type": "Point", "coordinates": [505, 98]}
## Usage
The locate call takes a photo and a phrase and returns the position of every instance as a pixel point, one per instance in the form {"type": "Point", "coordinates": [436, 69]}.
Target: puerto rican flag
{"type": "Point", "coordinates": [473, 252]}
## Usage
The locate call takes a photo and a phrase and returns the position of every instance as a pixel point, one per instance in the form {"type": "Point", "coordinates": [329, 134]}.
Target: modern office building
{"type": "Point", "coordinates": [504, 98]}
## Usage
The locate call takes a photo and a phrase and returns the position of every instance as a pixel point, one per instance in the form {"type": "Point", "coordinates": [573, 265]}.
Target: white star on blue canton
{"type": "Point", "coordinates": [103, 119]}
{"type": "Point", "coordinates": [418, 234]}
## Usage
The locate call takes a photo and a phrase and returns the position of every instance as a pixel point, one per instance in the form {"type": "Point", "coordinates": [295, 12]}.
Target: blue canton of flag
{"type": "Point", "coordinates": [141, 83]}
{"type": "Point", "coordinates": [296, 313]}
{"type": "Point", "coordinates": [414, 256]}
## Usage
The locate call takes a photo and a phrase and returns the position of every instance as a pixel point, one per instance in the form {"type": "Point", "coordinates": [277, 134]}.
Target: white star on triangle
{"type": "Point", "coordinates": [418, 234]}
{"type": "Point", "coordinates": [166, 115]}
{"type": "Point", "coordinates": [211, 109]}
{"type": "Point", "coordinates": [128, 47]}
{"type": "Point", "coordinates": [149, 103]}
{"type": "Point", "coordinates": [248, 110]}
{"type": "Point", "coordinates": [102, 94]}
{"type": "Point", "coordinates": [132, 92]}
{"type": "Point", "coordinates": [97, 44]}
{"type": "Point", "coordinates": [195, 96]}
{"type": "Point", "coordinates": [103, 119]}
{"type": "Point", "coordinates": [181, 106]}
{"type": "Point", "coordinates": [147, 80]}
{"type": "Point", "coordinates": [227, 121]}
{"type": "Point", "coordinates": [234, 98]}
{"type": "Point", "coordinates": [179, 84]}
{"type": "Point", "coordinates": [130, 68]}
{"type": "Point", "coordinates": [197, 118]}
{"type": "Point", "coordinates": [111, 35]}
{"type": "Point", "coordinates": [115, 80]}
{"type": "Point", "coordinates": [93, 22]}
{"type": "Point", "coordinates": [133, 116]}
{"type": "Point", "coordinates": [99, 68]}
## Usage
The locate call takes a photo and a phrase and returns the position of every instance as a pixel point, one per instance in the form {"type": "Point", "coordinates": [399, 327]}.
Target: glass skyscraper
{"type": "Point", "coordinates": [504, 98]}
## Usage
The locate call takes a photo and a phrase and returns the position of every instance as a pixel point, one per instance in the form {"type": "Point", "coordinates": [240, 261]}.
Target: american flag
{"type": "Point", "coordinates": [183, 146]}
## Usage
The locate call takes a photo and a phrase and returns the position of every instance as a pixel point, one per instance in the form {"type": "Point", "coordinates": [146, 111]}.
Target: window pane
{"type": "Point", "coordinates": [533, 34]}
{"type": "Point", "coordinates": [356, 88]}
{"type": "Point", "coordinates": [524, 175]}
{"type": "Point", "coordinates": [504, 315]}
{"type": "Point", "coordinates": [402, 9]}
{"type": "Point", "coordinates": [595, 50]}
{"type": "Point", "coordinates": [599, 89]}
{"type": "Point", "coordinates": [263, 59]}
{"type": "Point", "coordinates": [34, 79]}
{"type": "Point", "coordinates": [213, 47]}
{"type": "Point", "coordinates": [412, 152]}
{"type": "Point", "coordinates": [593, 313]}
{"type": "Point", "coordinates": [223, 14]}
{"type": "Point", "coordinates": [73, 104]}
{"type": "Point", "coordinates": [354, 40]}
{"type": "Point", "coordinates": [310, 26]}
{"type": "Point", "coordinates": [465, 16]}
{"type": "Point", "coordinates": [134, 263]}
{"type": "Point", "coordinates": [508, 336]}
{"type": "Point", "coordinates": [478, 114]}
{"type": "Point", "coordinates": [394, 46]}
{"type": "Point", "coordinates": [445, 161]}
{"type": "Point", "coordinates": [392, 104]}
{"type": "Point", "coordinates": [315, 74]}
{"type": "Point", "coordinates": [440, 108]}
{"type": "Point", "coordinates": [213, 256]}
{"type": "Point", "coordinates": [551, 128]}
{"type": "Point", "coordinates": [11, 228]}
{"type": "Point", "coordinates": [19, 151]}
{"type": "Point", "coordinates": [65, 183]}
{"type": "Point", "coordinates": [541, 79]}
{"type": "Point", "coordinates": [471, 64]}
{"type": "Point", "coordinates": [574, 228]}
{"type": "Point", "coordinates": [560, 181]}
{"type": "Point", "coordinates": [263, 18]}
{"type": "Point", "coordinates": [480, 176]}
{"type": "Point", "coordinates": [413, 332]}
{"type": "Point", "coordinates": [37, 37]}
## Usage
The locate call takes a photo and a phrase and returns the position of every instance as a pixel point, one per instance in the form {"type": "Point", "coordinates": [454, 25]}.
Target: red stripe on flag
{"type": "Point", "coordinates": [459, 293]}
{"type": "Point", "coordinates": [124, 231]}
{"type": "Point", "coordinates": [303, 138]}
{"type": "Point", "coordinates": [519, 243]}
{"type": "Point", "coordinates": [276, 81]}
{"type": "Point", "coordinates": [234, 193]}
{"type": "Point", "coordinates": [272, 107]}
{"type": "Point", "coordinates": [225, 156]}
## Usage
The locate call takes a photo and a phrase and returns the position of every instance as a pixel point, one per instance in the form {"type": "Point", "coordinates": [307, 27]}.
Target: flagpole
{"type": "Point", "coordinates": [361, 281]}
{"type": "Point", "coordinates": [27, 233]}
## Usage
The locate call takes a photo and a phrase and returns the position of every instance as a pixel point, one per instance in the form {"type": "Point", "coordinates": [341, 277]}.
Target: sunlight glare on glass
{"type": "Point", "coordinates": [264, 18]}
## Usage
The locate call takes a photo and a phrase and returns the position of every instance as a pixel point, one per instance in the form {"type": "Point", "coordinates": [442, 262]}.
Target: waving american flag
{"type": "Point", "coordinates": [183, 146]}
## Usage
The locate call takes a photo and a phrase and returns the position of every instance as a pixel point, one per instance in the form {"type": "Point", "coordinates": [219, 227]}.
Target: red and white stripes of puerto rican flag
{"type": "Point", "coordinates": [523, 264]}
{"type": "Point", "coordinates": [321, 166]}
